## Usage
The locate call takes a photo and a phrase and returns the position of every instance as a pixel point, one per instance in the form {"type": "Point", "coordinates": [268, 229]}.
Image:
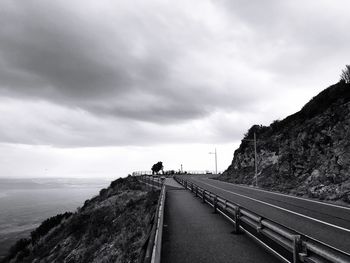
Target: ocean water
{"type": "Point", "coordinates": [25, 203]}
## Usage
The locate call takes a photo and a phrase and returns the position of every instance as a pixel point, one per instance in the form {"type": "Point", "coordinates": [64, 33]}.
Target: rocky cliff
{"type": "Point", "coordinates": [307, 153]}
{"type": "Point", "coordinates": [111, 227]}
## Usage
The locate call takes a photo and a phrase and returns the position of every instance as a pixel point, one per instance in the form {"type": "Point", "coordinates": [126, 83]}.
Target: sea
{"type": "Point", "coordinates": [25, 203]}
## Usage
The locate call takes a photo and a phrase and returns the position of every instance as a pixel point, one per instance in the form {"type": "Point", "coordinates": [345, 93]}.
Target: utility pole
{"type": "Point", "coordinates": [181, 169]}
{"type": "Point", "coordinates": [216, 161]}
{"type": "Point", "coordinates": [255, 162]}
{"type": "Point", "coordinates": [255, 159]}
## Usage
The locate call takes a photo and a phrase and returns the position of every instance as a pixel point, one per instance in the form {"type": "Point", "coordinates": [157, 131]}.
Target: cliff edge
{"type": "Point", "coordinates": [111, 227]}
{"type": "Point", "coordinates": [307, 153]}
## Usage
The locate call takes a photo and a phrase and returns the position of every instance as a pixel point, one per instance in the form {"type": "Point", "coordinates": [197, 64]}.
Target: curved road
{"type": "Point", "coordinates": [325, 222]}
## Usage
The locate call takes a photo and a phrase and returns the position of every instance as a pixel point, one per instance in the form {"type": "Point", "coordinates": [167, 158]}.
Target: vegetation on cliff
{"type": "Point", "coordinates": [307, 153]}
{"type": "Point", "coordinates": [111, 227]}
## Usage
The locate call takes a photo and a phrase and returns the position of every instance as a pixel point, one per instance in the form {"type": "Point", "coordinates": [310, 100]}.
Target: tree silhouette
{"type": "Point", "coordinates": [157, 167]}
{"type": "Point", "coordinates": [345, 75]}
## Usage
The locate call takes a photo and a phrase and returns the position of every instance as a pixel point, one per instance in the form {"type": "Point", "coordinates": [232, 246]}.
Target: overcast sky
{"type": "Point", "coordinates": [103, 88]}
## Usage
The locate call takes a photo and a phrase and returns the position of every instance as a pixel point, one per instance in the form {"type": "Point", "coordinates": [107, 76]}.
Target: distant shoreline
{"type": "Point", "coordinates": [25, 203]}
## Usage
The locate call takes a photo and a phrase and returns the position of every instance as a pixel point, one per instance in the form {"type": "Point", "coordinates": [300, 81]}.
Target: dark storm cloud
{"type": "Point", "coordinates": [57, 54]}
{"type": "Point", "coordinates": [120, 72]}
{"type": "Point", "coordinates": [49, 53]}
{"type": "Point", "coordinates": [49, 50]}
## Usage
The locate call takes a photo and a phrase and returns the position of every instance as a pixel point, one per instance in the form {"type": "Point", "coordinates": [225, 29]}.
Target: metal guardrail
{"type": "Point", "coordinates": [153, 246]}
{"type": "Point", "coordinates": [152, 181]}
{"type": "Point", "coordinates": [189, 172]}
{"type": "Point", "coordinates": [286, 244]}
{"type": "Point", "coordinates": [157, 246]}
{"type": "Point", "coordinates": [138, 173]}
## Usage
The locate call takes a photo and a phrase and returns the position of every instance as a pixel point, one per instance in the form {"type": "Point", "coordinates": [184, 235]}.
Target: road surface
{"type": "Point", "coordinates": [324, 222]}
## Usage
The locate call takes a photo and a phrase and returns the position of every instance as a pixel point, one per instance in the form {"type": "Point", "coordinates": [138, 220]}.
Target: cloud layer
{"type": "Point", "coordinates": [96, 73]}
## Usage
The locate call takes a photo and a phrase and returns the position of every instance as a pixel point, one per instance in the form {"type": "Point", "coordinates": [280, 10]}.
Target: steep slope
{"type": "Point", "coordinates": [111, 227]}
{"type": "Point", "coordinates": [307, 153]}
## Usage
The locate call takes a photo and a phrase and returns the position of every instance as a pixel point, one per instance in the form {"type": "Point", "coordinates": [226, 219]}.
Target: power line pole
{"type": "Point", "coordinates": [255, 159]}
{"type": "Point", "coordinates": [216, 161]}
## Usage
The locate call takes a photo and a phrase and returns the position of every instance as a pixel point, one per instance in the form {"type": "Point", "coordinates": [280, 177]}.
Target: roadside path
{"type": "Point", "coordinates": [193, 233]}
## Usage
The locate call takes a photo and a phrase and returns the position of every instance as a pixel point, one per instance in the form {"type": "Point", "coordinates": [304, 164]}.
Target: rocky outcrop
{"type": "Point", "coordinates": [308, 153]}
{"type": "Point", "coordinates": [111, 227]}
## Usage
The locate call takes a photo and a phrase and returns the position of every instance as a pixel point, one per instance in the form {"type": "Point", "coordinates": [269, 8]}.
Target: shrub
{"type": "Point", "coordinates": [19, 246]}
{"type": "Point", "coordinates": [345, 75]}
{"type": "Point", "coordinates": [47, 225]}
{"type": "Point", "coordinates": [103, 191]}
{"type": "Point", "coordinates": [117, 182]}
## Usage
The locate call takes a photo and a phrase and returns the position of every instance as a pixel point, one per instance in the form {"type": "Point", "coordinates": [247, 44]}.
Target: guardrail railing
{"type": "Point", "coordinates": [173, 172]}
{"type": "Point", "coordinates": [284, 243]}
{"type": "Point", "coordinates": [152, 181]}
{"type": "Point", "coordinates": [138, 173]}
{"type": "Point", "coordinates": [151, 251]}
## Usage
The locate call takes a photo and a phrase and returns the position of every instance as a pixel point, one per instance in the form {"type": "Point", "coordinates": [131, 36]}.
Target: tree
{"type": "Point", "coordinates": [345, 74]}
{"type": "Point", "coordinates": [157, 167]}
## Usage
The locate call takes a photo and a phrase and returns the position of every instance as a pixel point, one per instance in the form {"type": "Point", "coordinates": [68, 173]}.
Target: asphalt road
{"type": "Point", "coordinates": [193, 233]}
{"type": "Point", "coordinates": [325, 222]}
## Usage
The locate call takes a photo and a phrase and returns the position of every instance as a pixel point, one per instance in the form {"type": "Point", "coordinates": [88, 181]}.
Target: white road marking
{"type": "Point", "coordinates": [281, 208]}
{"type": "Point", "coordinates": [286, 195]}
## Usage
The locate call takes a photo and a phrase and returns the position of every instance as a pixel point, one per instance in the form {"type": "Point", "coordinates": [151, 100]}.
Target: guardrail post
{"type": "Point", "coordinates": [185, 184]}
{"type": "Point", "coordinates": [237, 220]}
{"type": "Point", "coordinates": [215, 203]}
{"type": "Point", "coordinates": [196, 191]}
{"type": "Point", "coordinates": [259, 227]}
{"type": "Point", "coordinates": [296, 248]}
{"type": "Point", "coordinates": [203, 196]}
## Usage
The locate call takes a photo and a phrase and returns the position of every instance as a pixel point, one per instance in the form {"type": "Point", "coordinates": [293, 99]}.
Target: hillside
{"type": "Point", "coordinates": [111, 227]}
{"type": "Point", "coordinates": [307, 153]}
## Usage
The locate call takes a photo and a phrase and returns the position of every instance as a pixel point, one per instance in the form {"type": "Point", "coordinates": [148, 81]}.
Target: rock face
{"type": "Point", "coordinates": [307, 153]}
{"type": "Point", "coordinates": [111, 227]}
